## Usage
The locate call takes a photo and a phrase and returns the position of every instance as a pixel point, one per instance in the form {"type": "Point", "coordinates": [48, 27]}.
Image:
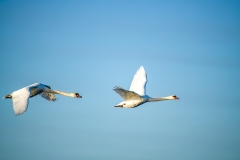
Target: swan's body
{"type": "Point", "coordinates": [21, 96]}
{"type": "Point", "coordinates": [137, 92]}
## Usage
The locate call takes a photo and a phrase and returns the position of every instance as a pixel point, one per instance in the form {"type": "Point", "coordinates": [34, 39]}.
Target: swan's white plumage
{"type": "Point", "coordinates": [20, 97]}
{"type": "Point", "coordinates": [139, 81]}
{"type": "Point", "coordinates": [137, 92]}
{"type": "Point", "coordinates": [20, 100]}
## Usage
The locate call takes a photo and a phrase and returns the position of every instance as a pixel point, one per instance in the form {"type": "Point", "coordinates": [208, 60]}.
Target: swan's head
{"type": "Point", "coordinates": [76, 95]}
{"type": "Point", "coordinates": [174, 97]}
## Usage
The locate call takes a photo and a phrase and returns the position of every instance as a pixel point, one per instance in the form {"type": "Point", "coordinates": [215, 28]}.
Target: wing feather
{"type": "Point", "coordinates": [139, 81]}
{"type": "Point", "coordinates": [125, 94]}
{"type": "Point", "coordinates": [20, 100]}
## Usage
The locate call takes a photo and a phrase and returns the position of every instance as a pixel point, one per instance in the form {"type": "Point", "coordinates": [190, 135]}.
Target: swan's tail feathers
{"type": "Point", "coordinates": [7, 96]}
{"type": "Point", "coordinates": [120, 106]}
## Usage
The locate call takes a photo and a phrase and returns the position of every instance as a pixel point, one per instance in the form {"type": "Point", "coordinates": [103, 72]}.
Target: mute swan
{"type": "Point", "coordinates": [21, 96]}
{"type": "Point", "coordinates": [137, 92]}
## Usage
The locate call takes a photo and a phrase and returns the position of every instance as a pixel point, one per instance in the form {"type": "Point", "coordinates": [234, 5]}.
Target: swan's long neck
{"type": "Point", "coordinates": [159, 99]}
{"type": "Point", "coordinates": [59, 92]}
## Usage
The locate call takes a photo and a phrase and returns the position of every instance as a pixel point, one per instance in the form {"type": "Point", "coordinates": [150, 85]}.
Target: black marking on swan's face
{"type": "Point", "coordinates": [175, 97]}
{"type": "Point", "coordinates": [78, 95]}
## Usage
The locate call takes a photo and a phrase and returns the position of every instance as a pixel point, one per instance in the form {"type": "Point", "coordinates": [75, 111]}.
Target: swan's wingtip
{"type": "Point", "coordinates": [141, 68]}
{"type": "Point", "coordinates": [54, 100]}
{"type": "Point", "coordinates": [116, 87]}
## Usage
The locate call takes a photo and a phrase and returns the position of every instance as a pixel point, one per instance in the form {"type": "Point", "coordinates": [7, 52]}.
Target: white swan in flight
{"type": "Point", "coordinates": [21, 96]}
{"type": "Point", "coordinates": [137, 92]}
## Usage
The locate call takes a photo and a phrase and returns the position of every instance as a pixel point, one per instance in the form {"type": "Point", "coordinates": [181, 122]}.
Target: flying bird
{"type": "Point", "coordinates": [136, 95]}
{"type": "Point", "coordinates": [21, 96]}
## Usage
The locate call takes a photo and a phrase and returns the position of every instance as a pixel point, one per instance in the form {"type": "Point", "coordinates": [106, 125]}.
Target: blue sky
{"type": "Point", "coordinates": [188, 48]}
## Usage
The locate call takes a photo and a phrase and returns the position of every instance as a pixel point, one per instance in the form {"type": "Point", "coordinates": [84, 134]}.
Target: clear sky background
{"type": "Point", "coordinates": [188, 48]}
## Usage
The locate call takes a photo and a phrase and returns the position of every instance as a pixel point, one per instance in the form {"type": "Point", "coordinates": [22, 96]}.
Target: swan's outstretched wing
{"type": "Point", "coordinates": [38, 88]}
{"type": "Point", "coordinates": [20, 100]}
{"type": "Point", "coordinates": [125, 94]}
{"type": "Point", "coordinates": [48, 96]}
{"type": "Point", "coordinates": [139, 81]}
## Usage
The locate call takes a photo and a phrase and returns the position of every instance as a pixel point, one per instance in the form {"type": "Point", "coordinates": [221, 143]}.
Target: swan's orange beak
{"type": "Point", "coordinates": [175, 97]}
